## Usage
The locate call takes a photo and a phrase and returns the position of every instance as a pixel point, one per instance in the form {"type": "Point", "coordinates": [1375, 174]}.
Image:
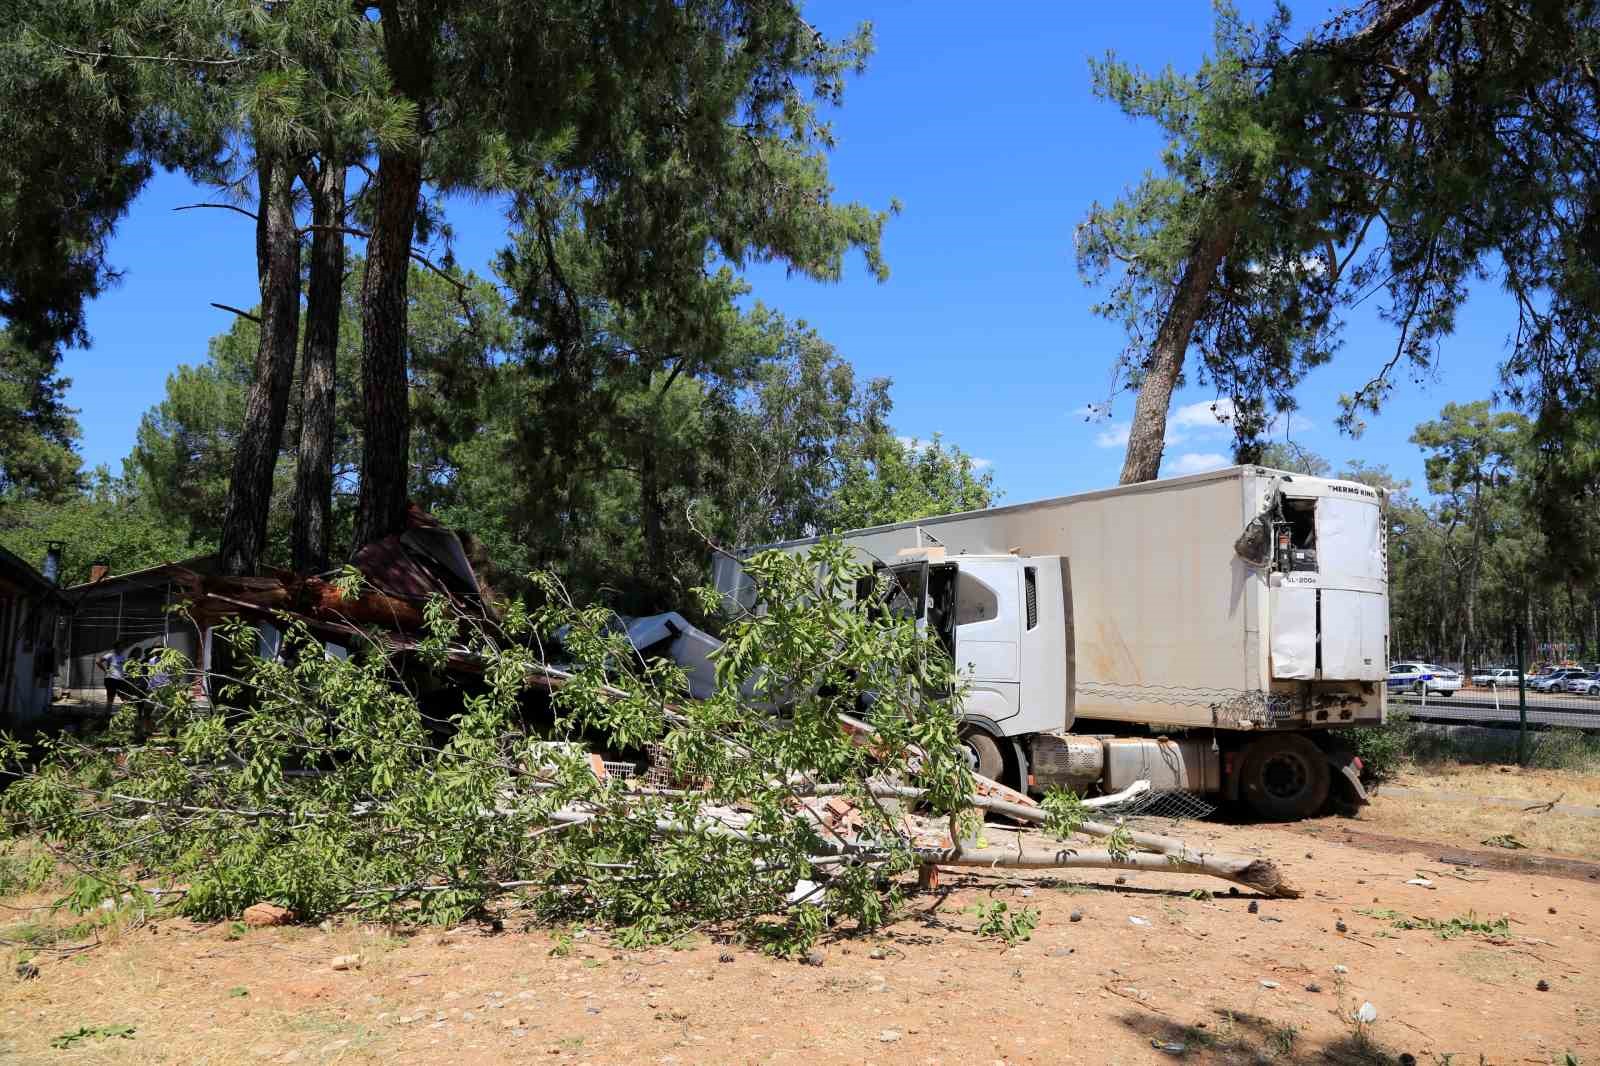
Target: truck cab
{"type": "Point", "coordinates": [1006, 621]}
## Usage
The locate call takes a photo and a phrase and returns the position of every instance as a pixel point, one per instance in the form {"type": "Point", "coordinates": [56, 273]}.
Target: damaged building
{"type": "Point", "coordinates": [30, 607]}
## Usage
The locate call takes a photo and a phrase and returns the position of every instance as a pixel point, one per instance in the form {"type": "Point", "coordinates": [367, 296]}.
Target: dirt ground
{"type": "Point", "coordinates": [1206, 975]}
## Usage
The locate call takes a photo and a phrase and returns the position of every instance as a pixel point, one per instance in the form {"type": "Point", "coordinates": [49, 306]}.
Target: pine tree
{"type": "Point", "coordinates": [38, 433]}
{"type": "Point", "coordinates": [1402, 148]}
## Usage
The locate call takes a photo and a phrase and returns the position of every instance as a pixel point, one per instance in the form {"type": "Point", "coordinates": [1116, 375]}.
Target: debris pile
{"type": "Point", "coordinates": [644, 775]}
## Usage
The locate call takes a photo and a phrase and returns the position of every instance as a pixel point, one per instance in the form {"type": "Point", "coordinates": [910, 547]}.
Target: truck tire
{"type": "Point", "coordinates": [983, 752]}
{"type": "Point", "coordinates": [1284, 777]}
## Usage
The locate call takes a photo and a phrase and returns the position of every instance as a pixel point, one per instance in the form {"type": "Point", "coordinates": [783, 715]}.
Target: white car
{"type": "Point", "coordinates": [1421, 677]}
{"type": "Point", "coordinates": [1495, 678]}
{"type": "Point", "coordinates": [1584, 684]}
{"type": "Point", "coordinates": [1554, 681]}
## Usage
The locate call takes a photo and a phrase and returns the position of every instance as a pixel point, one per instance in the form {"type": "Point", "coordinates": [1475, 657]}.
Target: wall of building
{"type": "Point", "coordinates": [104, 619]}
{"type": "Point", "coordinates": [27, 632]}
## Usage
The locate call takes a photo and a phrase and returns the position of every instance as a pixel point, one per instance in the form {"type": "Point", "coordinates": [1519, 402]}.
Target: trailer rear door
{"type": "Point", "coordinates": [1329, 617]}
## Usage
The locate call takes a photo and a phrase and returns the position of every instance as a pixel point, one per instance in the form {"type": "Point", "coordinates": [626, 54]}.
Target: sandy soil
{"type": "Point", "coordinates": [1228, 985]}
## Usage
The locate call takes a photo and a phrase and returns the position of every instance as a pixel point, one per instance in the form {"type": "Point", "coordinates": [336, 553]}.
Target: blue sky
{"type": "Point", "coordinates": [980, 120]}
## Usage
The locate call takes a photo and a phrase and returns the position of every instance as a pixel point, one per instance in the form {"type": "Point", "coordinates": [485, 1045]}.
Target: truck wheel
{"type": "Point", "coordinates": [1284, 777]}
{"type": "Point", "coordinates": [983, 754]}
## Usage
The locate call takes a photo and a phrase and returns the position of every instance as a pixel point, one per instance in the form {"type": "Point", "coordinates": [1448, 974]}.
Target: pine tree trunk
{"type": "Point", "coordinates": [1533, 634]}
{"type": "Point", "coordinates": [385, 452]}
{"type": "Point", "coordinates": [411, 30]}
{"type": "Point", "coordinates": [650, 514]}
{"type": "Point", "coordinates": [313, 503]}
{"type": "Point", "coordinates": [244, 523]}
{"type": "Point", "coordinates": [1148, 433]}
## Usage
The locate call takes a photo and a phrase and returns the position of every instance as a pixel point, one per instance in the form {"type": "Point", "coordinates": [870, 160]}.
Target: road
{"type": "Point", "coordinates": [1477, 705]}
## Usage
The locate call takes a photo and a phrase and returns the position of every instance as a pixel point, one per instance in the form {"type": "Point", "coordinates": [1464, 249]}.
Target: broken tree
{"type": "Point", "coordinates": [427, 773]}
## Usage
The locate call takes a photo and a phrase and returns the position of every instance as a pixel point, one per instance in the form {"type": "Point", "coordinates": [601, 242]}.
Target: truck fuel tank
{"type": "Point", "coordinates": [1187, 764]}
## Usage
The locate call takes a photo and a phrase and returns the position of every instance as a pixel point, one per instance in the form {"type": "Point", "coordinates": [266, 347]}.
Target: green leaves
{"type": "Point", "coordinates": [85, 1033]}
{"type": "Point", "coordinates": [888, 480]}
{"type": "Point", "coordinates": [421, 788]}
{"type": "Point", "coordinates": [1066, 810]}
{"type": "Point", "coordinates": [1404, 152]}
{"type": "Point", "coordinates": [996, 919]}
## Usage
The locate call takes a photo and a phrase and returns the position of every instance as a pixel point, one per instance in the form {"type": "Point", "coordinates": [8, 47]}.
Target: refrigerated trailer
{"type": "Point", "coordinates": [1210, 633]}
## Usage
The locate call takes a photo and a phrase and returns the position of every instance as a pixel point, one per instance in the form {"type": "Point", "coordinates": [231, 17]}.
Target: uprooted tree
{"type": "Point", "coordinates": [423, 777]}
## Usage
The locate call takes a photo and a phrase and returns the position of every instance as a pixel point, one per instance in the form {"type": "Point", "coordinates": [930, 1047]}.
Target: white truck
{"type": "Point", "coordinates": [1208, 633]}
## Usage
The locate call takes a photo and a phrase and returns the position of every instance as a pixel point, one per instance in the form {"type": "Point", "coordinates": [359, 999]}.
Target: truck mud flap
{"type": "Point", "coordinates": [1348, 768]}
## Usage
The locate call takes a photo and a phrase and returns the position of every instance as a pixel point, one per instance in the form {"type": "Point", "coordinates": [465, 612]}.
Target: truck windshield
{"type": "Point", "coordinates": [908, 591]}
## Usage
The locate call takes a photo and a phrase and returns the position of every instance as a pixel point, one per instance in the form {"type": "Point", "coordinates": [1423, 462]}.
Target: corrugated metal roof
{"type": "Point", "coordinates": [88, 590]}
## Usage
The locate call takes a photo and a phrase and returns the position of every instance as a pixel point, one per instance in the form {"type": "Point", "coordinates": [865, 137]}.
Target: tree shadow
{"type": "Point", "coordinates": [1242, 1037]}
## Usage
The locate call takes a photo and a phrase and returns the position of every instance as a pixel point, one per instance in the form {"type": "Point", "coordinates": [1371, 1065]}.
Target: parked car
{"type": "Point", "coordinates": [1583, 683]}
{"type": "Point", "coordinates": [1445, 681]}
{"type": "Point", "coordinates": [1554, 681]}
{"type": "Point", "coordinates": [1494, 677]}
{"type": "Point", "coordinates": [1423, 677]}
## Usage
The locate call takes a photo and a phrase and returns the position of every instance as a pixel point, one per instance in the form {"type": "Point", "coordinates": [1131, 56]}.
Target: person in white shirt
{"type": "Point", "coordinates": [112, 662]}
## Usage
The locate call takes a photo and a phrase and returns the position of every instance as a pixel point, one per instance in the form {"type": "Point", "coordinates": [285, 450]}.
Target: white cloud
{"type": "Point", "coordinates": [1190, 420]}
{"type": "Point", "coordinates": [982, 464]}
{"type": "Point", "coordinates": [1209, 420]}
{"type": "Point", "coordinates": [1204, 416]}
{"type": "Point", "coordinates": [1113, 436]}
{"type": "Point", "coordinates": [1200, 462]}
{"type": "Point", "coordinates": [1310, 265]}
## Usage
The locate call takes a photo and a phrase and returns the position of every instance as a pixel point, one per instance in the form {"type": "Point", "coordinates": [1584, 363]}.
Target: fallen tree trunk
{"type": "Point", "coordinates": [1261, 875]}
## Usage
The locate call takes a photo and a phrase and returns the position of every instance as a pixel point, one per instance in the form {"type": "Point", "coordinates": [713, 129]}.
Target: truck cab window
{"type": "Point", "coordinates": [975, 601]}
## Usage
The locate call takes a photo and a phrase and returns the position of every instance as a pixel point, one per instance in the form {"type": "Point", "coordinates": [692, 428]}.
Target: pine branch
{"type": "Point", "coordinates": [79, 53]}
{"type": "Point", "coordinates": [220, 207]}
{"type": "Point", "coordinates": [242, 314]}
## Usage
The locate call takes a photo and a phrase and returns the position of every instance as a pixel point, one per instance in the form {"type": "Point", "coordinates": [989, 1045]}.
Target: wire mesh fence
{"type": "Point", "coordinates": [1174, 805]}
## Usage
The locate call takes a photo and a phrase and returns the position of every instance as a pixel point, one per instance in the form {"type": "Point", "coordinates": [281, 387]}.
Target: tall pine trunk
{"type": "Point", "coordinates": [655, 548]}
{"type": "Point", "coordinates": [411, 31]}
{"type": "Point", "coordinates": [1147, 436]}
{"type": "Point", "coordinates": [319, 355]}
{"type": "Point", "coordinates": [244, 523]}
{"type": "Point", "coordinates": [385, 451]}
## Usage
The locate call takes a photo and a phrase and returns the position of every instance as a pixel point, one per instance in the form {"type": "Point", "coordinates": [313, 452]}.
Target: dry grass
{"type": "Point", "coordinates": [1455, 762]}
{"type": "Point", "coordinates": [1533, 785]}
{"type": "Point", "coordinates": [1469, 825]}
